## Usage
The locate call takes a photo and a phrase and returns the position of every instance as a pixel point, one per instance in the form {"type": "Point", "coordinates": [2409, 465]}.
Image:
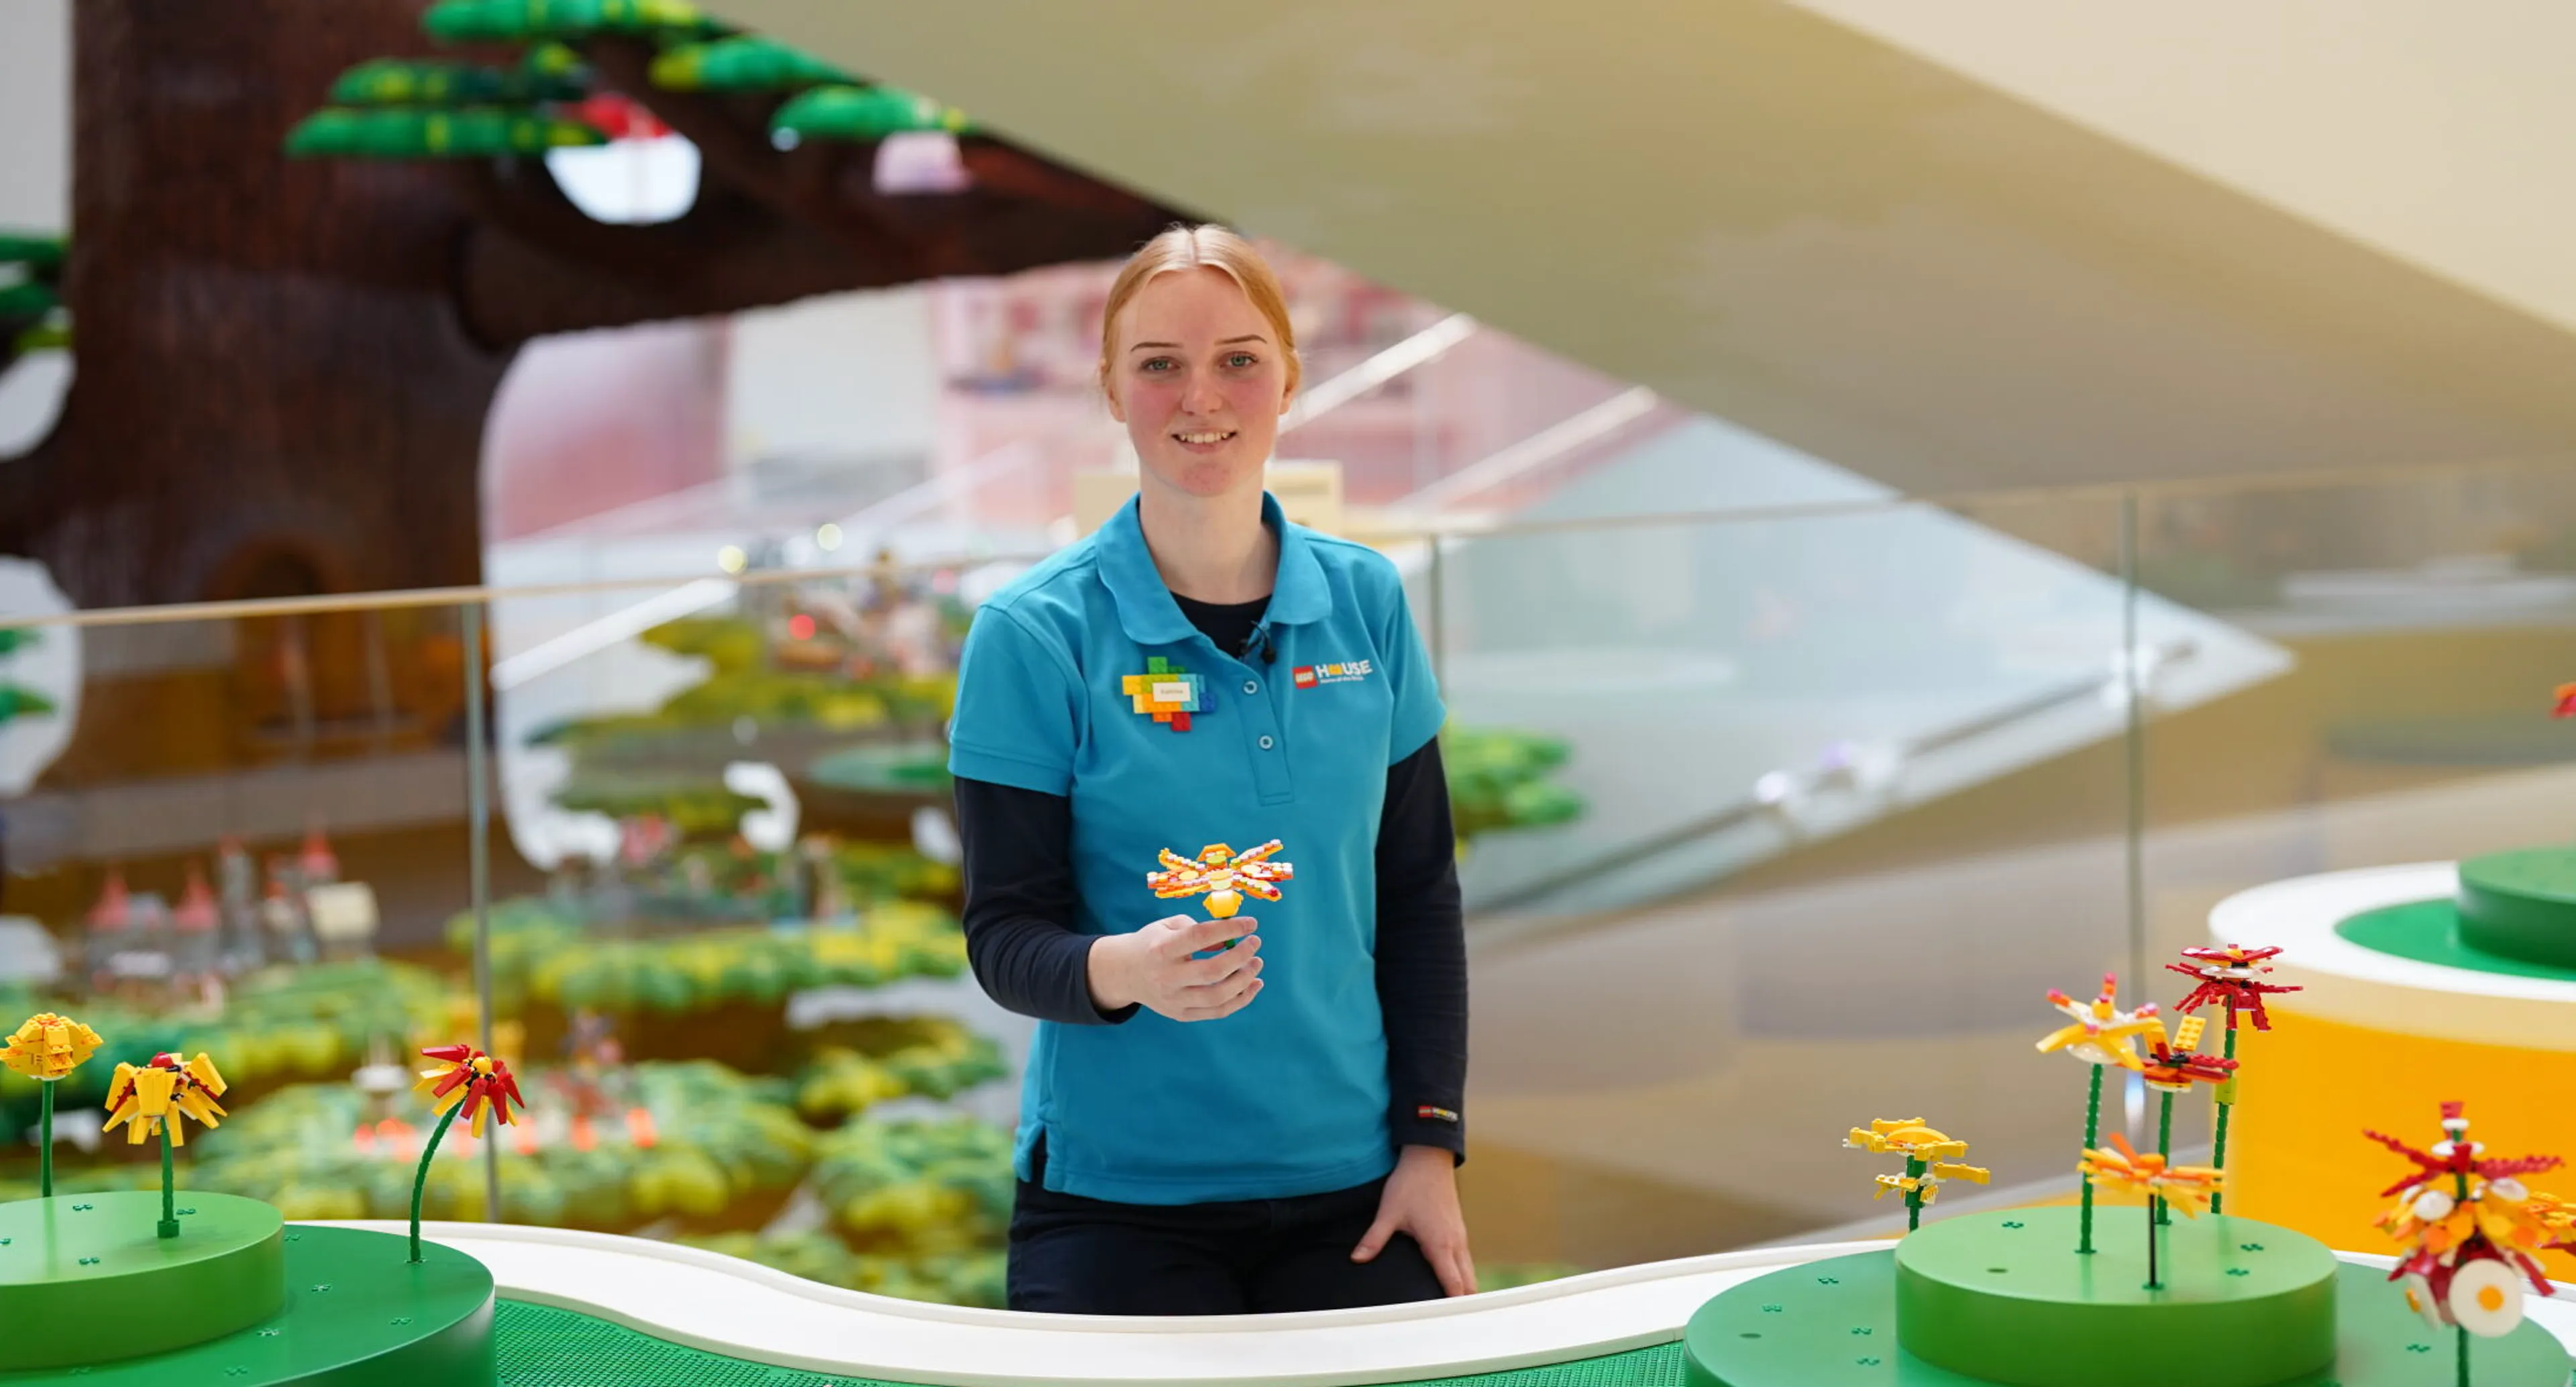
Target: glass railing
{"type": "Point", "coordinates": [1775, 819]}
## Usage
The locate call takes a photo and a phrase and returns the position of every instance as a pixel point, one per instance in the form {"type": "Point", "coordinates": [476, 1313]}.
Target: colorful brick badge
{"type": "Point", "coordinates": [1166, 692]}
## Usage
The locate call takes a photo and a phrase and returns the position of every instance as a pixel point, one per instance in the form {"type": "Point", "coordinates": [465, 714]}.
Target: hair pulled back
{"type": "Point", "coordinates": [1194, 247]}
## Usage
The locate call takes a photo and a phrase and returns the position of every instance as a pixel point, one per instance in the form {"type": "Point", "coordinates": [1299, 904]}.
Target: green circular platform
{"type": "Point", "coordinates": [76, 1270]}
{"type": "Point", "coordinates": [2521, 905]}
{"type": "Point", "coordinates": [1834, 1324]}
{"type": "Point", "coordinates": [2429, 932]}
{"type": "Point", "coordinates": [2005, 1297]}
{"type": "Point", "coordinates": [357, 1313]}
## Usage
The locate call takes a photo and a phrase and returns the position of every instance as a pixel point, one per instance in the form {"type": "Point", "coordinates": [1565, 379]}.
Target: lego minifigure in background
{"type": "Point", "coordinates": [104, 933]}
{"type": "Point", "coordinates": [193, 942]}
{"type": "Point", "coordinates": [317, 863]}
{"type": "Point", "coordinates": [142, 965]}
{"type": "Point", "coordinates": [237, 886]}
{"type": "Point", "coordinates": [290, 939]}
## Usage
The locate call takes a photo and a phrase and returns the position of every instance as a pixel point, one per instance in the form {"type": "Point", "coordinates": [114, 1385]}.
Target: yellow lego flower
{"type": "Point", "coordinates": [1931, 1157]}
{"type": "Point", "coordinates": [2557, 1219]}
{"type": "Point", "coordinates": [2101, 1033]}
{"type": "Point", "coordinates": [48, 1047]}
{"type": "Point", "coordinates": [160, 1094]}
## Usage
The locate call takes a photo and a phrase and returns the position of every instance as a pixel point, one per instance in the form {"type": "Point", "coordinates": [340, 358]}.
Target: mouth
{"type": "Point", "coordinates": [1203, 440]}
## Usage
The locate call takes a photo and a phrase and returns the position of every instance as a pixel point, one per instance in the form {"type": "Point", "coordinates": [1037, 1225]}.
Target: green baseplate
{"type": "Point", "coordinates": [2246, 1300]}
{"type": "Point", "coordinates": [74, 1268]}
{"type": "Point", "coordinates": [540, 1346]}
{"type": "Point", "coordinates": [356, 1311]}
{"type": "Point", "coordinates": [2520, 905]}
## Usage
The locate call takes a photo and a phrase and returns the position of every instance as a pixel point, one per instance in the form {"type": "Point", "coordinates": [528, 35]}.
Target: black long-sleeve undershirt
{"type": "Point", "coordinates": [1025, 951]}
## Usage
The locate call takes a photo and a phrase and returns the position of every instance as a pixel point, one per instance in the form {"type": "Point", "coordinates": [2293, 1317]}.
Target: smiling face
{"type": "Point", "coordinates": [1199, 377]}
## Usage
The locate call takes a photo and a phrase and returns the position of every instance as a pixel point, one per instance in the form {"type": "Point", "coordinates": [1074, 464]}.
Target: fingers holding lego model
{"type": "Point", "coordinates": [1157, 968]}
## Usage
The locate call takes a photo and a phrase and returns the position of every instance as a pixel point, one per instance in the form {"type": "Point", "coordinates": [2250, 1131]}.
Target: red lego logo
{"type": "Point", "coordinates": [1304, 675]}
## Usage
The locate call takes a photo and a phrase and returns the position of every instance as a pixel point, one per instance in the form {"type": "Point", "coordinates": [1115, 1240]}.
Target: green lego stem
{"type": "Point", "coordinates": [2092, 1134]}
{"type": "Point", "coordinates": [45, 1153]}
{"type": "Point", "coordinates": [420, 1181]}
{"type": "Point", "coordinates": [2164, 1148]}
{"type": "Point", "coordinates": [2218, 1142]}
{"type": "Point", "coordinates": [2154, 1283]}
{"type": "Point", "coordinates": [169, 1184]}
{"type": "Point", "coordinates": [1914, 1168]}
{"type": "Point", "coordinates": [2460, 1184]}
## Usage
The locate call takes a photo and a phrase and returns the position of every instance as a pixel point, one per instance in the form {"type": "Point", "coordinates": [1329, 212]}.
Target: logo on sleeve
{"type": "Point", "coordinates": [1347, 672]}
{"type": "Point", "coordinates": [1428, 1113]}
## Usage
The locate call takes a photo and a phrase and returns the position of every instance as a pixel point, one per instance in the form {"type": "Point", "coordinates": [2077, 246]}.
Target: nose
{"type": "Point", "coordinates": [1201, 396]}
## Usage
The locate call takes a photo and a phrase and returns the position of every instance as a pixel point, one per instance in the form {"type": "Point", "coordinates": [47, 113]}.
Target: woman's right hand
{"type": "Point", "coordinates": [1153, 968]}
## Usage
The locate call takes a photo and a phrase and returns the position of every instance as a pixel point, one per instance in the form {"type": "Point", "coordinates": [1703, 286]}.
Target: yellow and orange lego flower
{"type": "Point", "coordinates": [2101, 1033]}
{"type": "Point", "coordinates": [2120, 1169]}
{"type": "Point", "coordinates": [48, 1047]}
{"type": "Point", "coordinates": [2173, 1068]}
{"type": "Point", "coordinates": [157, 1095]}
{"type": "Point", "coordinates": [1225, 875]}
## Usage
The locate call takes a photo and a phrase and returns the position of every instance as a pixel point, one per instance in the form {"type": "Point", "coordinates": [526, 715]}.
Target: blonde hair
{"type": "Point", "coordinates": [1195, 247]}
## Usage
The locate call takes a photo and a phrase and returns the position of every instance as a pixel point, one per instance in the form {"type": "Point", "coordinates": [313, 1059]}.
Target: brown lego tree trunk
{"type": "Point", "coordinates": [271, 386]}
{"type": "Point", "coordinates": [283, 367]}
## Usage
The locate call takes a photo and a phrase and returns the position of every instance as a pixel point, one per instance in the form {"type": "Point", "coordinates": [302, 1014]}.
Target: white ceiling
{"type": "Point", "coordinates": [1766, 215]}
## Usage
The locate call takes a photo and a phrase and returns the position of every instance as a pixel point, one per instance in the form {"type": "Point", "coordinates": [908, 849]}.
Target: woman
{"type": "Point", "coordinates": [1206, 1130]}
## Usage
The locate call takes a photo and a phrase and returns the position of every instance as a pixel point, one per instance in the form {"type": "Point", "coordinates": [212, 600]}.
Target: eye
{"type": "Point", "coordinates": [1241, 360]}
{"type": "Point", "coordinates": [1155, 365]}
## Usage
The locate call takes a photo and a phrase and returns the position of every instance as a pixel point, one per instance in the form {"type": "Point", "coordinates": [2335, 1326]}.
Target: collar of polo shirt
{"type": "Point", "coordinates": [1146, 611]}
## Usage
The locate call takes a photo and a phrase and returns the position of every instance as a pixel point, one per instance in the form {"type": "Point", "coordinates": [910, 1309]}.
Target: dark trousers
{"type": "Point", "coordinates": [1075, 1256]}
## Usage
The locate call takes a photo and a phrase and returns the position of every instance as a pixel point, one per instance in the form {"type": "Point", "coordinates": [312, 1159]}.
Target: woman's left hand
{"type": "Point", "coordinates": [1421, 1198]}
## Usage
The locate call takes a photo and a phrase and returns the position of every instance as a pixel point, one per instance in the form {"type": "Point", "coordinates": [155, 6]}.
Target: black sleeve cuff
{"type": "Point", "coordinates": [1409, 1126]}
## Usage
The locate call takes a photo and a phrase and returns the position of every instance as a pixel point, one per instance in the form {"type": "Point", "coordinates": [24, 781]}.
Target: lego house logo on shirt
{"type": "Point", "coordinates": [1348, 672]}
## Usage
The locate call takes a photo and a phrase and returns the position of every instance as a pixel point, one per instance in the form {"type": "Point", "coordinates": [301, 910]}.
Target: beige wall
{"type": "Point", "coordinates": [2443, 134]}
{"type": "Point", "coordinates": [1775, 218]}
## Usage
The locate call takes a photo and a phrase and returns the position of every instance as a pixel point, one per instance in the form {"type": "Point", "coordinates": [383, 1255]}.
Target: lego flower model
{"type": "Point", "coordinates": [2100, 1034]}
{"type": "Point", "coordinates": [2557, 1219]}
{"type": "Point", "coordinates": [2173, 1068]}
{"type": "Point", "coordinates": [2468, 1228]}
{"type": "Point", "coordinates": [467, 1081]}
{"type": "Point", "coordinates": [1225, 875]}
{"type": "Point", "coordinates": [1930, 1158]}
{"type": "Point", "coordinates": [161, 1098]}
{"type": "Point", "coordinates": [47, 1048]}
{"type": "Point", "coordinates": [2120, 1169]}
{"type": "Point", "coordinates": [2229, 975]}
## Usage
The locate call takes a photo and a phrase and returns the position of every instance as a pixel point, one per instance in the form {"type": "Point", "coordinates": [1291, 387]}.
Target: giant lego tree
{"type": "Point", "coordinates": [284, 363]}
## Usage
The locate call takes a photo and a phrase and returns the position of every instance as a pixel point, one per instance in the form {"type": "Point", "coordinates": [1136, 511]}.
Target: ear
{"type": "Point", "coordinates": [1117, 407]}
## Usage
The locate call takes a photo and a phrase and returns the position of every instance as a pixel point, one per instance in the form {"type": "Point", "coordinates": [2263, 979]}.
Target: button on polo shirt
{"type": "Point", "coordinates": [1289, 1095]}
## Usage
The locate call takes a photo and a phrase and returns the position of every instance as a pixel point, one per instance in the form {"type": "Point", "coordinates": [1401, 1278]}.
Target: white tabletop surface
{"type": "Point", "coordinates": [729, 1306]}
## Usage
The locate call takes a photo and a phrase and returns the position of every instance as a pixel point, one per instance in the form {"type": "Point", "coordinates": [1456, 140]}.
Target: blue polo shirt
{"type": "Point", "coordinates": [1289, 1095]}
